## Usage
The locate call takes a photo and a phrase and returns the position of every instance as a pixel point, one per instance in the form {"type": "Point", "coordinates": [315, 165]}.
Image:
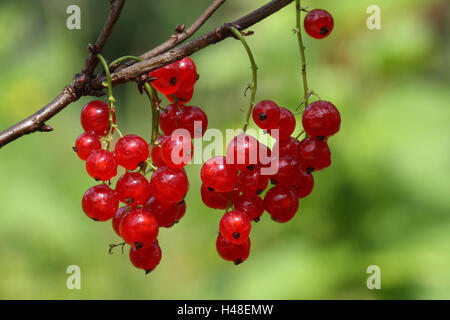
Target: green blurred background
{"type": "Point", "coordinates": [384, 201]}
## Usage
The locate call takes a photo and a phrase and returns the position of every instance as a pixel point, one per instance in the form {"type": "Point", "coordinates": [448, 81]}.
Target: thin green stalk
{"type": "Point", "coordinates": [302, 52]}
{"type": "Point", "coordinates": [125, 58]}
{"type": "Point", "coordinates": [254, 85]}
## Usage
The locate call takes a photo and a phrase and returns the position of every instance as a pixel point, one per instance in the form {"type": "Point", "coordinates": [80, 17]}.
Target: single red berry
{"type": "Point", "coordinates": [237, 253]}
{"type": "Point", "coordinates": [139, 227]}
{"type": "Point", "coordinates": [86, 143]}
{"type": "Point", "coordinates": [318, 23]}
{"type": "Point", "coordinates": [188, 74]}
{"type": "Point", "coordinates": [243, 151]}
{"type": "Point", "coordinates": [95, 117]}
{"type": "Point", "coordinates": [146, 258]}
{"type": "Point", "coordinates": [181, 96]}
{"type": "Point", "coordinates": [100, 203]}
{"type": "Point", "coordinates": [288, 172]}
{"type": "Point", "coordinates": [281, 204]}
{"type": "Point", "coordinates": [181, 211]}
{"type": "Point", "coordinates": [214, 199]}
{"type": "Point", "coordinates": [101, 165]}
{"type": "Point", "coordinates": [156, 155]}
{"type": "Point", "coordinates": [121, 212]}
{"type": "Point", "coordinates": [252, 182]}
{"type": "Point", "coordinates": [194, 120]}
{"type": "Point", "coordinates": [251, 205]}
{"type": "Point", "coordinates": [133, 189]}
{"type": "Point", "coordinates": [168, 119]}
{"type": "Point", "coordinates": [169, 184]}
{"type": "Point", "coordinates": [288, 147]}
{"type": "Point", "coordinates": [314, 155]}
{"type": "Point", "coordinates": [235, 226]}
{"type": "Point", "coordinates": [177, 151]}
{"type": "Point", "coordinates": [286, 125]}
{"type": "Point", "coordinates": [304, 185]}
{"type": "Point", "coordinates": [321, 120]}
{"type": "Point", "coordinates": [167, 78]}
{"type": "Point", "coordinates": [266, 114]}
{"type": "Point", "coordinates": [165, 213]}
{"type": "Point", "coordinates": [130, 151]}
{"type": "Point", "coordinates": [219, 175]}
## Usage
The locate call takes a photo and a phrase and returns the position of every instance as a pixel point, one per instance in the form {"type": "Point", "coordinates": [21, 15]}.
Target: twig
{"type": "Point", "coordinates": [83, 85]}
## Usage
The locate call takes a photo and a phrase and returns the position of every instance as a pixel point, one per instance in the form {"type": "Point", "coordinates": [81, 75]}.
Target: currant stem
{"type": "Point", "coordinates": [254, 85]}
{"type": "Point", "coordinates": [125, 58]}
{"type": "Point", "coordinates": [154, 101]}
{"type": "Point", "coordinates": [302, 52]}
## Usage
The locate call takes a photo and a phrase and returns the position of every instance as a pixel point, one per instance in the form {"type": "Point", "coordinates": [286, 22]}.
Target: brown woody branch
{"type": "Point", "coordinates": [82, 83]}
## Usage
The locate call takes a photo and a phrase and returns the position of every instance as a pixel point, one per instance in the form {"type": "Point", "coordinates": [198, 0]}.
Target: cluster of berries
{"type": "Point", "coordinates": [152, 204]}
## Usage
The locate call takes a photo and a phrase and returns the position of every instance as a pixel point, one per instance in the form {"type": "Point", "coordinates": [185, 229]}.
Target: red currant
{"type": "Point", "coordinates": [321, 119]}
{"type": "Point", "coordinates": [146, 258]}
{"type": "Point", "coordinates": [101, 165]}
{"type": "Point", "coordinates": [121, 212]}
{"type": "Point", "coordinates": [181, 96]}
{"type": "Point", "coordinates": [314, 155]}
{"type": "Point", "coordinates": [100, 203]}
{"type": "Point", "coordinates": [165, 213]}
{"type": "Point", "coordinates": [281, 204]}
{"type": "Point", "coordinates": [169, 185]}
{"type": "Point", "coordinates": [188, 74]}
{"type": "Point", "coordinates": [168, 119]}
{"type": "Point", "coordinates": [156, 155]}
{"type": "Point", "coordinates": [288, 147]}
{"type": "Point", "coordinates": [194, 120]}
{"type": "Point", "coordinates": [177, 151]}
{"type": "Point", "coordinates": [130, 151]}
{"type": "Point", "coordinates": [167, 78]}
{"type": "Point", "coordinates": [215, 200]}
{"type": "Point", "coordinates": [266, 114]}
{"type": "Point", "coordinates": [235, 226]}
{"type": "Point", "coordinates": [251, 205]}
{"type": "Point", "coordinates": [304, 185]}
{"type": "Point", "coordinates": [219, 175]}
{"type": "Point", "coordinates": [286, 124]}
{"type": "Point", "coordinates": [243, 151]}
{"type": "Point", "coordinates": [318, 23]}
{"type": "Point", "coordinates": [133, 189]}
{"type": "Point", "coordinates": [139, 227]}
{"type": "Point", "coordinates": [288, 172]}
{"type": "Point", "coordinates": [237, 253]}
{"type": "Point", "coordinates": [252, 182]}
{"type": "Point", "coordinates": [86, 143]}
{"type": "Point", "coordinates": [95, 117]}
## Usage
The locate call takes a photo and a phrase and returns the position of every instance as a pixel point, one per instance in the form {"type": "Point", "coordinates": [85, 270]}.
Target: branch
{"type": "Point", "coordinates": [115, 10]}
{"type": "Point", "coordinates": [83, 85]}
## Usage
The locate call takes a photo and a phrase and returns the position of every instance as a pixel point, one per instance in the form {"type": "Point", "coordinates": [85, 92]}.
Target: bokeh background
{"type": "Point", "coordinates": [384, 201]}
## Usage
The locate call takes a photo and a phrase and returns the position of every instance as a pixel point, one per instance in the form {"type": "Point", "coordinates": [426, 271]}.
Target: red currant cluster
{"type": "Point", "coordinates": [152, 204]}
{"type": "Point", "coordinates": [228, 183]}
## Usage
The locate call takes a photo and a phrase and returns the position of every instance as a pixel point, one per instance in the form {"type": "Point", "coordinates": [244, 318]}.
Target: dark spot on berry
{"type": "Point", "coordinates": [138, 245]}
{"type": "Point", "coordinates": [256, 219]}
{"type": "Point", "coordinates": [75, 149]}
{"type": "Point", "coordinates": [324, 31]}
{"type": "Point", "coordinates": [181, 202]}
{"type": "Point", "coordinates": [273, 219]}
{"type": "Point", "coordinates": [95, 219]}
{"type": "Point", "coordinates": [148, 271]}
{"type": "Point", "coordinates": [259, 191]}
{"type": "Point", "coordinates": [310, 170]}
{"type": "Point", "coordinates": [273, 181]}
{"type": "Point", "coordinates": [198, 76]}
{"type": "Point", "coordinates": [97, 179]}
{"type": "Point", "coordinates": [262, 116]}
{"type": "Point", "coordinates": [236, 235]}
{"type": "Point", "coordinates": [251, 167]}
{"type": "Point", "coordinates": [173, 81]}
{"type": "Point", "coordinates": [210, 189]}
{"type": "Point", "coordinates": [238, 261]}
{"type": "Point", "coordinates": [129, 200]}
{"type": "Point", "coordinates": [320, 138]}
